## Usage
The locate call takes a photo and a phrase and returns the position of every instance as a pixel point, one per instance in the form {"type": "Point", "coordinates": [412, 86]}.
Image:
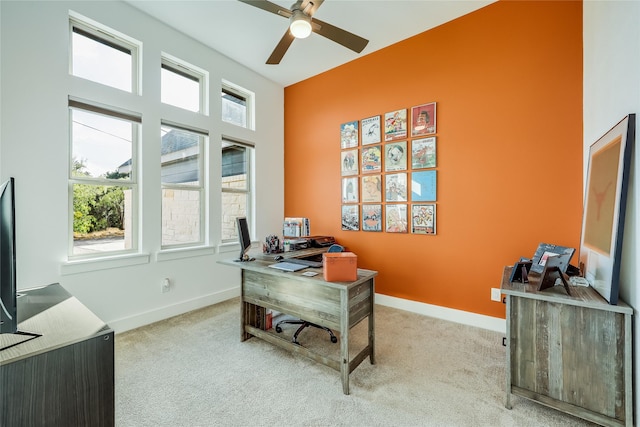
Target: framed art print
{"type": "Point", "coordinates": [371, 217]}
{"type": "Point", "coordinates": [423, 153]}
{"type": "Point", "coordinates": [349, 135]}
{"type": "Point", "coordinates": [395, 187]}
{"type": "Point", "coordinates": [395, 125]}
{"type": "Point", "coordinates": [605, 204]}
{"type": "Point", "coordinates": [423, 119]}
{"type": "Point", "coordinates": [370, 130]}
{"type": "Point", "coordinates": [371, 188]}
{"type": "Point", "coordinates": [371, 159]}
{"type": "Point", "coordinates": [395, 218]}
{"type": "Point", "coordinates": [423, 186]}
{"type": "Point", "coordinates": [423, 219]}
{"type": "Point", "coordinates": [395, 156]}
{"type": "Point", "coordinates": [350, 218]}
{"type": "Point", "coordinates": [350, 190]}
{"type": "Point", "coordinates": [349, 162]}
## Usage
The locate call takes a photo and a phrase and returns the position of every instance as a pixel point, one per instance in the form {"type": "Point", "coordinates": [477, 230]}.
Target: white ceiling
{"type": "Point", "coordinates": [248, 35]}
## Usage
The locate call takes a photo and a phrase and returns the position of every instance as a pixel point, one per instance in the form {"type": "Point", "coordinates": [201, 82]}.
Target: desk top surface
{"type": "Point", "coordinates": [263, 260]}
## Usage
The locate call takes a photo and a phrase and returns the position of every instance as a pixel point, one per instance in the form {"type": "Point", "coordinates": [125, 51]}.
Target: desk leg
{"type": "Point", "coordinates": [372, 334]}
{"type": "Point", "coordinates": [344, 341]}
{"type": "Point", "coordinates": [507, 400]}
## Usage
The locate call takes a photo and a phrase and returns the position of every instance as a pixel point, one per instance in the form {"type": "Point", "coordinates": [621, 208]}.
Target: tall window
{"type": "Point", "coordinates": [182, 85]}
{"type": "Point", "coordinates": [102, 179]}
{"type": "Point", "coordinates": [182, 185]}
{"type": "Point", "coordinates": [102, 55]}
{"type": "Point", "coordinates": [237, 186]}
{"type": "Point", "coordinates": [237, 105]}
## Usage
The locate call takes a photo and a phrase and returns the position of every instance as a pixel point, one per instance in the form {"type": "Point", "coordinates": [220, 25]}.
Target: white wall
{"type": "Point", "coordinates": [611, 91]}
{"type": "Point", "coordinates": [34, 148]}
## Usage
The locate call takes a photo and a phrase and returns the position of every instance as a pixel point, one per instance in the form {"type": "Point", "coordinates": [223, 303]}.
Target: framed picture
{"type": "Point", "coordinates": [395, 125]}
{"type": "Point", "coordinates": [396, 187]}
{"type": "Point", "coordinates": [371, 217]}
{"type": "Point", "coordinates": [605, 204]}
{"type": "Point", "coordinates": [395, 218]}
{"type": "Point", "coordinates": [423, 219]}
{"type": "Point", "coordinates": [350, 190]}
{"type": "Point", "coordinates": [350, 218]}
{"type": "Point", "coordinates": [423, 153]}
{"type": "Point", "coordinates": [371, 188]}
{"type": "Point", "coordinates": [370, 130]}
{"type": "Point", "coordinates": [423, 119]}
{"type": "Point", "coordinates": [349, 135]}
{"type": "Point", "coordinates": [423, 186]}
{"type": "Point", "coordinates": [371, 159]}
{"type": "Point", "coordinates": [395, 156]}
{"type": "Point", "coordinates": [349, 162]}
{"type": "Point", "coordinates": [546, 251]}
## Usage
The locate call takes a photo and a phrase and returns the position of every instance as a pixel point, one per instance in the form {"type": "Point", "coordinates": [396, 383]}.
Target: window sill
{"type": "Point", "coordinates": [179, 253]}
{"type": "Point", "coordinates": [103, 263]}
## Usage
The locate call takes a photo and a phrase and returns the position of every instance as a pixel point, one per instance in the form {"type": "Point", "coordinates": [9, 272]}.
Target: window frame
{"type": "Point", "coordinates": [190, 71]}
{"type": "Point", "coordinates": [247, 95]}
{"type": "Point", "coordinates": [249, 191]}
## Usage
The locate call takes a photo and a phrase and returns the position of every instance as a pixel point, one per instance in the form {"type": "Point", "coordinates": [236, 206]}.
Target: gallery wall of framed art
{"type": "Point", "coordinates": [389, 174]}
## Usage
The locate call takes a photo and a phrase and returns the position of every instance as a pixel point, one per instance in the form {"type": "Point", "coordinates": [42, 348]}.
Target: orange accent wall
{"type": "Point", "coordinates": [507, 80]}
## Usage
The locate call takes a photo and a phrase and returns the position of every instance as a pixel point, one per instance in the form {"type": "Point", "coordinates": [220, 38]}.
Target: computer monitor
{"type": "Point", "coordinates": [244, 238]}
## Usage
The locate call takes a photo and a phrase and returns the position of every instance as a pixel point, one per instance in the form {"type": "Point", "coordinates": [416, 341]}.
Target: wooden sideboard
{"type": "Point", "coordinates": [65, 375]}
{"type": "Point", "coordinates": [572, 353]}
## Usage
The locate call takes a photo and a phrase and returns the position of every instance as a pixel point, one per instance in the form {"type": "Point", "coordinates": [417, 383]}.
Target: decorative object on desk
{"type": "Point", "coordinates": [350, 218]}
{"type": "Point", "coordinates": [296, 227]}
{"type": "Point", "coordinates": [396, 187]}
{"type": "Point", "coordinates": [349, 134]}
{"type": "Point", "coordinates": [371, 188]}
{"type": "Point", "coordinates": [396, 218]}
{"type": "Point", "coordinates": [423, 153]}
{"type": "Point", "coordinates": [350, 190]}
{"type": "Point", "coordinates": [423, 219]}
{"type": "Point", "coordinates": [552, 271]}
{"type": "Point", "coordinates": [547, 250]}
{"type": "Point", "coordinates": [423, 186]}
{"type": "Point", "coordinates": [372, 217]}
{"type": "Point", "coordinates": [395, 125]}
{"type": "Point", "coordinates": [339, 266]}
{"type": "Point", "coordinates": [370, 130]}
{"type": "Point", "coordinates": [349, 162]}
{"type": "Point", "coordinates": [423, 119]}
{"type": "Point", "coordinates": [520, 272]}
{"type": "Point", "coordinates": [395, 156]}
{"type": "Point", "coordinates": [371, 159]}
{"type": "Point", "coordinates": [605, 204]}
{"type": "Point", "coordinates": [271, 244]}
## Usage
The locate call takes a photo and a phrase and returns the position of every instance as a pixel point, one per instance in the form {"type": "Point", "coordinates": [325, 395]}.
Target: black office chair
{"type": "Point", "coordinates": [303, 323]}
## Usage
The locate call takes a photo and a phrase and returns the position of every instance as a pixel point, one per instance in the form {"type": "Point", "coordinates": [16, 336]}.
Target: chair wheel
{"type": "Point", "coordinates": [278, 329]}
{"type": "Point", "coordinates": [334, 340]}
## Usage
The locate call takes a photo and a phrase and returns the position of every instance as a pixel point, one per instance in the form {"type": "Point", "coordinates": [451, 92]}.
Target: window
{"type": "Point", "coordinates": [182, 185]}
{"type": "Point", "coordinates": [237, 186]}
{"type": "Point", "coordinates": [237, 105]}
{"type": "Point", "coordinates": [102, 179]}
{"type": "Point", "coordinates": [182, 85]}
{"type": "Point", "coordinates": [102, 55]}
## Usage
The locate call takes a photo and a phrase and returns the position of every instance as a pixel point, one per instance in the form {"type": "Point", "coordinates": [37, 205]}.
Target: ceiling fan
{"type": "Point", "coordinates": [301, 25]}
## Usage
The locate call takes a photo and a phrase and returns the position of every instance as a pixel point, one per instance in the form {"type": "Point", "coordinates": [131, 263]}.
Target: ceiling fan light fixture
{"type": "Point", "coordinates": [300, 25]}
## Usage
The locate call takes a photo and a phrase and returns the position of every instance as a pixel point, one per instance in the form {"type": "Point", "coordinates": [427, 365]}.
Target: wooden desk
{"type": "Point", "coordinates": [63, 377]}
{"type": "Point", "coordinates": [572, 353]}
{"type": "Point", "coordinates": [337, 305]}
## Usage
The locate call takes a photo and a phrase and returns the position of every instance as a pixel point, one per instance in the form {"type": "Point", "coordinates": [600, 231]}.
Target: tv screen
{"type": "Point", "coordinates": [8, 285]}
{"type": "Point", "coordinates": [245, 239]}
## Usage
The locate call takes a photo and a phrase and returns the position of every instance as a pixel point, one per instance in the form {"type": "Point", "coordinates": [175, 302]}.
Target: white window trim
{"type": "Point", "coordinates": [249, 99]}
{"type": "Point", "coordinates": [250, 191]}
{"type": "Point", "coordinates": [199, 74]}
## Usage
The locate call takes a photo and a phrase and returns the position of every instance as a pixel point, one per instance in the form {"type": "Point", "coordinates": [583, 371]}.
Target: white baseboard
{"type": "Point", "coordinates": [142, 319]}
{"type": "Point", "coordinates": [444, 313]}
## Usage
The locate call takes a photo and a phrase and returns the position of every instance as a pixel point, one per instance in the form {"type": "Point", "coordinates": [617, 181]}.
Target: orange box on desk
{"type": "Point", "coordinates": [340, 266]}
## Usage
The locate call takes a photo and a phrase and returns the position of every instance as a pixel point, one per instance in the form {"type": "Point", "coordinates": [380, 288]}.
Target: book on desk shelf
{"type": "Point", "coordinates": [296, 227]}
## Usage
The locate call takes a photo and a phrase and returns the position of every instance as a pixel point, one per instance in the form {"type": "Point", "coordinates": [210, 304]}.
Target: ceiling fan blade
{"type": "Point", "coordinates": [269, 7]}
{"type": "Point", "coordinates": [281, 48]}
{"type": "Point", "coordinates": [340, 36]}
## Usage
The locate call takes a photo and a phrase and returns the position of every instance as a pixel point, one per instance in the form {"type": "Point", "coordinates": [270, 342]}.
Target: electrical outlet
{"type": "Point", "coordinates": [495, 294]}
{"type": "Point", "coordinates": [166, 285]}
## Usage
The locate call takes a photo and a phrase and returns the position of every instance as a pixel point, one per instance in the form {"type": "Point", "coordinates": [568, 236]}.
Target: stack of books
{"type": "Point", "coordinates": [296, 227]}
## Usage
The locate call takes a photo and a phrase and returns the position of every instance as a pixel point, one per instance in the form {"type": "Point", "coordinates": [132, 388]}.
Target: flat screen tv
{"type": "Point", "coordinates": [8, 284]}
{"type": "Point", "coordinates": [245, 239]}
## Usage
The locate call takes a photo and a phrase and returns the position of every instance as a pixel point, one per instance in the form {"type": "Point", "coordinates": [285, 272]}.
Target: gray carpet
{"type": "Point", "coordinates": [192, 370]}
